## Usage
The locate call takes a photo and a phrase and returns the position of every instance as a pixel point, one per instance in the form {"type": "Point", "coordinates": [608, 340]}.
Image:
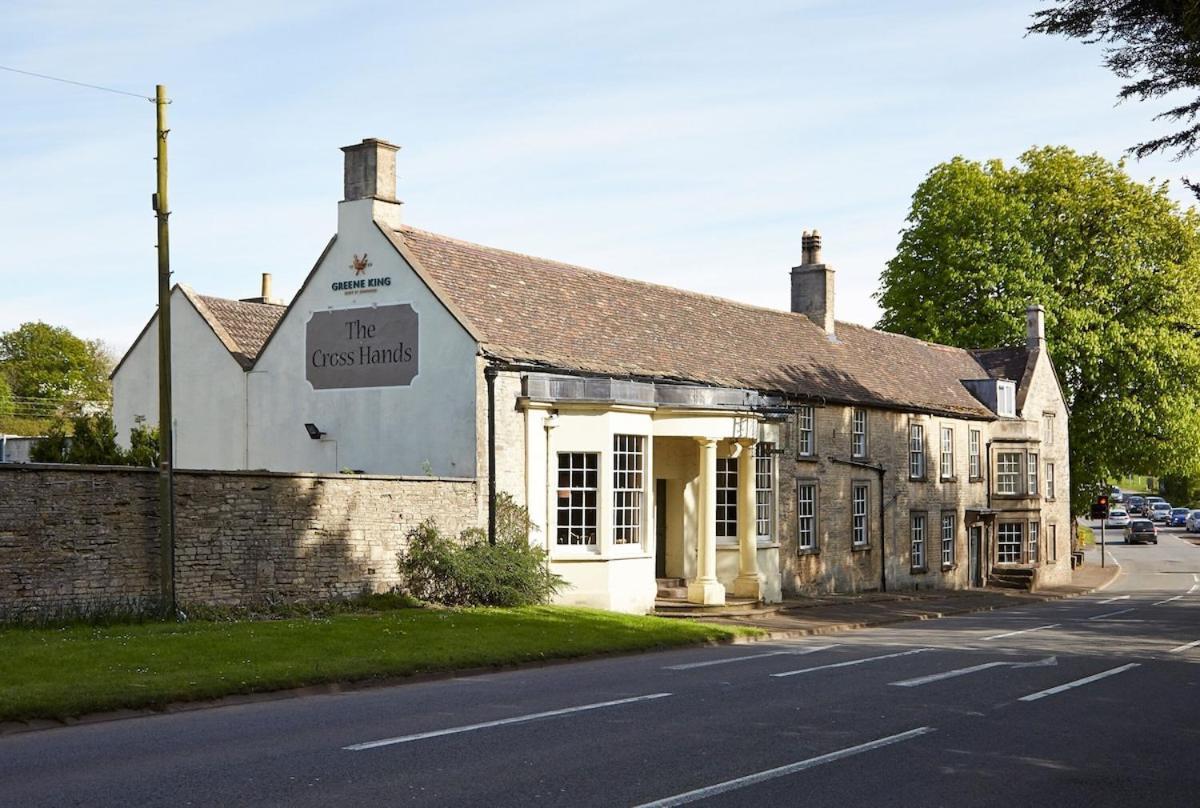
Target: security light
{"type": "Point", "coordinates": [313, 432]}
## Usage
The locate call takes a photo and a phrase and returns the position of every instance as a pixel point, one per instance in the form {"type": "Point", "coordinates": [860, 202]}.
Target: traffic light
{"type": "Point", "coordinates": [1100, 507]}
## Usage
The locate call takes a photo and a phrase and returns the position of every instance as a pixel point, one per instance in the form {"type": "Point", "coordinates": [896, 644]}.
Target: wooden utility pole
{"type": "Point", "coordinates": [166, 481]}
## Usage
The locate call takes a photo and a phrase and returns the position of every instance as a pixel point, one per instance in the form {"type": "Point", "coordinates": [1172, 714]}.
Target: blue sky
{"type": "Point", "coordinates": [687, 143]}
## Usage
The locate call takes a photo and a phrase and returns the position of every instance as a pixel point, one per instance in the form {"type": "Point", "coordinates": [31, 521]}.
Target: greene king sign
{"type": "Point", "coordinates": [367, 347]}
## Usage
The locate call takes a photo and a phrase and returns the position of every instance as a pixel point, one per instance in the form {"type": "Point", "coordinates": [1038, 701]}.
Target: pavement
{"type": "Point", "coordinates": [801, 617]}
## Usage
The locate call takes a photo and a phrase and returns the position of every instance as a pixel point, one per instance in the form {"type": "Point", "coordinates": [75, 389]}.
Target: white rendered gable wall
{"type": "Point", "coordinates": [427, 427]}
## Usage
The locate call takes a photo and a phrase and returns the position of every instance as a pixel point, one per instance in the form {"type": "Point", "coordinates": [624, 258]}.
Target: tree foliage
{"type": "Point", "coordinates": [1152, 44]}
{"type": "Point", "coordinates": [1116, 264]}
{"type": "Point", "coordinates": [48, 367]}
{"type": "Point", "coordinates": [92, 439]}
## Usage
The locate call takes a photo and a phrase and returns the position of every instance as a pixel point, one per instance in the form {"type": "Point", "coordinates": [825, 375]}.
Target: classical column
{"type": "Point", "coordinates": [706, 589]}
{"type": "Point", "coordinates": [747, 584]}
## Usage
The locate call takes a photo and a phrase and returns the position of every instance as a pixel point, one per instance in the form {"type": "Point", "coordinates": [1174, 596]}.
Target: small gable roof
{"type": "Point", "coordinates": [243, 327]}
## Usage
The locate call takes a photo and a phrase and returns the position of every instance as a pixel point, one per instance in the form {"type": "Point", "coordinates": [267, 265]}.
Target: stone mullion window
{"type": "Point", "coordinates": [858, 433]}
{"type": "Point", "coordinates": [916, 452]}
{"type": "Point", "coordinates": [859, 520]}
{"type": "Point", "coordinates": [1009, 538]}
{"type": "Point", "coordinates": [1008, 472]}
{"type": "Point", "coordinates": [805, 432]}
{"type": "Point", "coordinates": [806, 516]}
{"type": "Point", "coordinates": [917, 524]}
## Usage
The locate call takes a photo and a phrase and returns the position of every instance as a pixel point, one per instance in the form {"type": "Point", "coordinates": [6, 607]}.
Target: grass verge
{"type": "Point", "coordinates": [74, 670]}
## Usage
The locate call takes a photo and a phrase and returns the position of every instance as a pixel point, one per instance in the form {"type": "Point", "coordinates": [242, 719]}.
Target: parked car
{"type": "Point", "coordinates": [1135, 504]}
{"type": "Point", "coordinates": [1118, 517]}
{"type": "Point", "coordinates": [1141, 530]}
{"type": "Point", "coordinates": [1160, 512]}
{"type": "Point", "coordinates": [1192, 525]}
{"type": "Point", "coordinates": [1178, 517]}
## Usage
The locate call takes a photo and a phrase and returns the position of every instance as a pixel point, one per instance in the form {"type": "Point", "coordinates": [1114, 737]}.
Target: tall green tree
{"type": "Point", "coordinates": [1115, 262]}
{"type": "Point", "coordinates": [48, 367]}
{"type": "Point", "coordinates": [1154, 45]}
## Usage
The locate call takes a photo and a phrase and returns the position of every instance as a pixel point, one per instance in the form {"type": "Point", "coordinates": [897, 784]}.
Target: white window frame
{"type": "Point", "coordinates": [974, 464]}
{"type": "Point", "coordinates": [916, 452]}
{"type": "Point", "coordinates": [949, 538]}
{"type": "Point", "coordinates": [582, 499]}
{"type": "Point", "coordinates": [764, 491]}
{"type": "Point", "coordinates": [947, 464]}
{"type": "Point", "coordinates": [806, 434]}
{"type": "Point", "coordinates": [629, 482]}
{"type": "Point", "coordinates": [858, 433]}
{"type": "Point", "coordinates": [1050, 481]}
{"type": "Point", "coordinates": [806, 515]}
{"type": "Point", "coordinates": [1009, 549]}
{"type": "Point", "coordinates": [918, 523]}
{"type": "Point", "coordinates": [860, 520]}
{"type": "Point", "coordinates": [727, 500]}
{"type": "Point", "coordinates": [1006, 399]}
{"type": "Point", "coordinates": [1008, 473]}
{"type": "Point", "coordinates": [1031, 464]}
{"type": "Point", "coordinates": [1032, 549]}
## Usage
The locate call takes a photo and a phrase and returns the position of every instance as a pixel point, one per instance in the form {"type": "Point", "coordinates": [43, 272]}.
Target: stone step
{"type": "Point", "coordinates": [672, 592]}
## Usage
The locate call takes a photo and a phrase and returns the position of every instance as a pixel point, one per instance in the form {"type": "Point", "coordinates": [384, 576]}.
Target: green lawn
{"type": "Point", "coordinates": [63, 672]}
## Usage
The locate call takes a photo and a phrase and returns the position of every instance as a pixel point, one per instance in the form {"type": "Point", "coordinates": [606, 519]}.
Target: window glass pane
{"type": "Point", "coordinates": [858, 441]}
{"type": "Point", "coordinates": [627, 488]}
{"type": "Point", "coordinates": [576, 509]}
{"type": "Point", "coordinates": [948, 525]}
{"type": "Point", "coordinates": [727, 498]}
{"type": "Point", "coordinates": [916, 451]}
{"type": "Point", "coordinates": [973, 454]}
{"type": "Point", "coordinates": [947, 452]}
{"type": "Point", "coordinates": [1008, 472]}
{"type": "Point", "coordinates": [1008, 543]}
{"type": "Point", "coordinates": [918, 540]}
{"type": "Point", "coordinates": [858, 513]}
{"type": "Point", "coordinates": [1032, 464]}
{"type": "Point", "coordinates": [764, 488]}
{"type": "Point", "coordinates": [804, 430]}
{"type": "Point", "coordinates": [1034, 529]}
{"type": "Point", "coordinates": [806, 515]}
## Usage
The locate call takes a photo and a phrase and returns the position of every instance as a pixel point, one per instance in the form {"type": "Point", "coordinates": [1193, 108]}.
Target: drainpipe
{"type": "Point", "coordinates": [881, 471]}
{"type": "Point", "coordinates": [489, 374]}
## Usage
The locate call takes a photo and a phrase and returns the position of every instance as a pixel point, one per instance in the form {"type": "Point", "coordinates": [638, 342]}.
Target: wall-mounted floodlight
{"type": "Point", "coordinates": [313, 432]}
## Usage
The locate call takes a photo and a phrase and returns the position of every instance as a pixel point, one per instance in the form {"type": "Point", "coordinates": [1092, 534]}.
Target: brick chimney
{"type": "Point", "coordinates": [370, 174]}
{"type": "Point", "coordinates": [812, 284]}
{"type": "Point", "coordinates": [1035, 327]}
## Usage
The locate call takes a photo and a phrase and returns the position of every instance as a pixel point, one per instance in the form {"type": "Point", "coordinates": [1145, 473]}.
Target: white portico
{"type": "Point", "coordinates": [633, 482]}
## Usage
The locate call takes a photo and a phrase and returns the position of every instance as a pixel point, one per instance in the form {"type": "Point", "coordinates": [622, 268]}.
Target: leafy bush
{"type": "Point", "coordinates": [470, 572]}
{"type": "Point", "coordinates": [92, 439]}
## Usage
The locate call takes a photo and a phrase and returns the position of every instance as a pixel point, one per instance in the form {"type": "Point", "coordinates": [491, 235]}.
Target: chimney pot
{"type": "Point", "coordinates": [1035, 327]}
{"type": "Point", "coordinates": [266, 286]}
{"type": "Point", "coordinates": [812, 284]}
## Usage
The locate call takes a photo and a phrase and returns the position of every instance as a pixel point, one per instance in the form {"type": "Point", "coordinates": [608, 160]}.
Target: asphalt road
{"type": "Point", "coordinates": [1092, 701]}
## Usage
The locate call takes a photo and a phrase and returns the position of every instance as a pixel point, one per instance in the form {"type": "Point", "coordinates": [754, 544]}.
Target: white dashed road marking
{"type": "Point", "coordinates": [783, 771]}
{"type": "Point", "coordinates": [1110, 614]}
{"type": "Point", "coordinates": [1041, 694]}
{"type": "Point", "coordinates": [1022, 631]}
{"type": "Point", "coordinates": [1184, 647]}
{"type": "Point", "coordinates": [797, 652]}
{"type": "Point", "coordinates": [851, 662]}
{"type": "Point", "coordinates": [937, 677]}
{"type": "Point", "coordinates": [520, 719]}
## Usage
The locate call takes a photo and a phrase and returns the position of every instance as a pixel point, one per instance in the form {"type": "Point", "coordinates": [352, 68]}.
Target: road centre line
{"type": "Point", "coordinates": [937, 677]}
{"type": "Point", "coordinates": [1022, 631]}
{"type": "Point", "coordinates": [783, 771]}
{"type": "Point", "coordinates": [1168, 600]}
{"type": "Point", "coordinates": [1114, 600]}
{"type": "Point", "coordinates": [1184, 647]}
{"type": "Point", "coordinates": [1110, 614]}
{"type": "Point", "coordinates": [798, 652]}
{"type": "Point", "coordinates": [1041, 694]}
{"type": "Point", "coordinates": [851, 662]}
{"type": "Point", "coordinates": [520, 719]}
{"type": "Point", "coordinates": [1194, 588]}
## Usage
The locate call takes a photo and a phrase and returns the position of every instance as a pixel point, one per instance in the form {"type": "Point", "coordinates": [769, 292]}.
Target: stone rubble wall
{"type": "Point", "coordinates": [75, 539]}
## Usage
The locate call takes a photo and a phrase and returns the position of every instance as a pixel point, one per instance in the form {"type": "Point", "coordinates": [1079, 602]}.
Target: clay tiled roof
{"type": "Point", "coordinates": [563, 316]}
{"type": "Point", "coordinates": [242, 327]}
{"type": "Point", "coordinates": [1003, 363]}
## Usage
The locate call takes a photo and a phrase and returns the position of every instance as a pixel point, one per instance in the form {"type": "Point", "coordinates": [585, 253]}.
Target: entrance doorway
{"type": "Point", "coordinates": [660, 528]}
{"type": "Point", "coordinates": [975, 554]}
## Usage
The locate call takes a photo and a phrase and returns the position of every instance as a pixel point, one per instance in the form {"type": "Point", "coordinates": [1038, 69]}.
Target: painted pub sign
{"type": "Point", "coordinates": [373, 346]}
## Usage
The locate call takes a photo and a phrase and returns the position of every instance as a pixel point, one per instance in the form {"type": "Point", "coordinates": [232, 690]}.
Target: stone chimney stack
{"type": "Point", "coordinates": [370, 179]}
{"type": "Point", "coordinates": [812, 284]}
{"type": "Point", "coordinates": [266, 293]}
{"type": "Point", "coordinates": [1035, 327]}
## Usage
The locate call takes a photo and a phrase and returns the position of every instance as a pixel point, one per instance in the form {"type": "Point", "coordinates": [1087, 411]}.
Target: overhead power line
{"type": "Point", "coordinates": [76, 83]}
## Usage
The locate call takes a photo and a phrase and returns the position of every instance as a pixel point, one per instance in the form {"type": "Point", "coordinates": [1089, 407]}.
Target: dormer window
{"type": "Point", "coordinates": [1006, 399]}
